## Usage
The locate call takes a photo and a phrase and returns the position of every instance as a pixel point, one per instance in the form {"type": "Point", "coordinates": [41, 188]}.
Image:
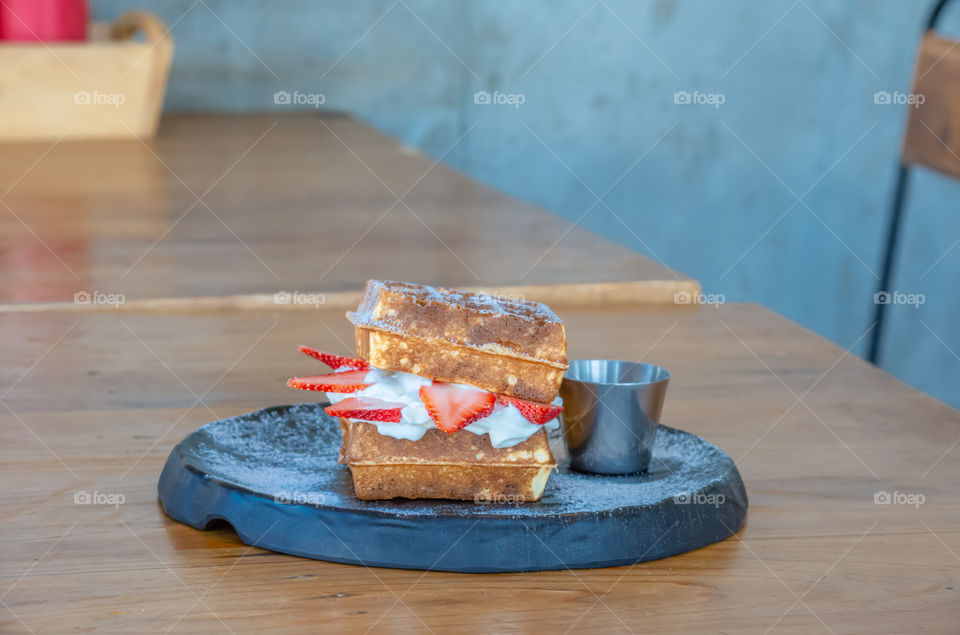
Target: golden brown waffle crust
{"type": "Point", "coordinates": [461, 465]}
{"type": "Point", "coordinates": [474, 320]}
{"type": "Point", "coordinates": [441, 361]}
{"type": "Point", "coordinates": [478, 483]}
{"type": "Point", "coordinates": [511, 347]}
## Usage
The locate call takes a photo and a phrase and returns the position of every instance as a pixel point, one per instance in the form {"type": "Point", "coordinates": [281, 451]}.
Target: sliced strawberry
{"type": "Point", "coordinates": [537, 413]}
{"type": "Point", "coordinates": [334, 361]}
{"type": "Point", "coordinates": [452, 408]}
{"type": "Point", "coordinates": [366, 408]}
{"type": "Point", "coordinates": [348, 381]}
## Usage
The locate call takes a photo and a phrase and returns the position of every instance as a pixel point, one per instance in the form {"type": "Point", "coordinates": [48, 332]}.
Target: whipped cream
{"type": "Point", "coordinates": [505, 425]}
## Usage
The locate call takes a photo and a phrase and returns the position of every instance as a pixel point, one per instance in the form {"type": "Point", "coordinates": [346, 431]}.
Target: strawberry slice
{"type": "Point", "coordinates": [334, 361]}
{"type": "Point", "coordinates": [453, 408]}
{"type": "Point", "coordinates": [348, 381]}
{"type": "Point", "coordinates": [367, 409]}
{"type": "Point", "coordinates": [536, 413]}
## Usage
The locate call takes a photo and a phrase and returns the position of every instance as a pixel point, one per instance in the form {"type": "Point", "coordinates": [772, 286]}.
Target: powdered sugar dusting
{"type": "Point", "coordinates": [292, 451]}
{"type": "Point", "coordinates": [501, 326]}
{"type": "Point", "coordinates": [480, 302]}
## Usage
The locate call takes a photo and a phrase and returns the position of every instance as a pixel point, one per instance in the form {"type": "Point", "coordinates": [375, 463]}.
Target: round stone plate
{"type": "Point", "coordinates": [273, 475]}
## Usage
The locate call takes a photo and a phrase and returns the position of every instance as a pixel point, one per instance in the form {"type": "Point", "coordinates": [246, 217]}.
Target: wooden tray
{"type": "Point", "coordinates": [109, 87]}
{"type": "Point", "coordinates": [272, 474]}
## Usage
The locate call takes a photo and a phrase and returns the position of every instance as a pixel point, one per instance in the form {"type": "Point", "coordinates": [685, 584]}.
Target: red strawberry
{"type": "Point", "coordinates": [347, 381]}
{"type": "Point", "coordinates": [452, 408]}
{"type": "Point", "coordinates": [366, 408]}
{"type": "Point", "coordinates": [537, 413]}
{"type": "Point", "coordinates": [334, 361]}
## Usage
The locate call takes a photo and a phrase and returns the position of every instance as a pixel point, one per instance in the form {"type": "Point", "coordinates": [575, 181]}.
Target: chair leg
{"type": "Point", "coordinates": [935, 14]}
{"type": "Point", "coordinates": [893, 229]}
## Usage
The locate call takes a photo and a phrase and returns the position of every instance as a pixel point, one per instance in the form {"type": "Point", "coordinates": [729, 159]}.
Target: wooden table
{"type": "Point", "coordinates": [200, 228]}
{"type": "Point", "coordinates": [94, 403]}
{"type": "Point", "coordinates": [234, 208]}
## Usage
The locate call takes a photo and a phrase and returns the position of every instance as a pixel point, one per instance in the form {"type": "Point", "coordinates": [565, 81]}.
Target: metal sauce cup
{"type": "Point", "coordinates": [611, 409]}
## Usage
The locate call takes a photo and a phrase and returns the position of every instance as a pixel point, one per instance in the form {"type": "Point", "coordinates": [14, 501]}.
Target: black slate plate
{"type": "Point", "coordinates": [272, 474]}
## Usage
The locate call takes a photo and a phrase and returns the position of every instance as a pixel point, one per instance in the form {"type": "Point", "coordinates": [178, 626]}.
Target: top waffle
{"type": "Point", "coordinates": [507, 346]}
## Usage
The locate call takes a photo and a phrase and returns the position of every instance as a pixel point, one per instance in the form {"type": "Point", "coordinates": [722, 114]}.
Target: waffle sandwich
{"type": "Point", "coordinates": [450, 394]}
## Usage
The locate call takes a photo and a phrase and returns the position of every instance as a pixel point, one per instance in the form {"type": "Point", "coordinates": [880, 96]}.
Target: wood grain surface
{"type": "Point", "coordinates": [94, 403]}
{"type": "Point", "coordinates": [226, 205]}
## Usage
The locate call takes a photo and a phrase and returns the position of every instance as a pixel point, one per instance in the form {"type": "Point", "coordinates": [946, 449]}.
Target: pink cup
{"type": "Point", "coordinates": [43, 20]}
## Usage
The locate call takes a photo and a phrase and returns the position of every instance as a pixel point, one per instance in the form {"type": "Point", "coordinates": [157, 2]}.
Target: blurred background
{"type": "Point", "coordinates": [747, 144]}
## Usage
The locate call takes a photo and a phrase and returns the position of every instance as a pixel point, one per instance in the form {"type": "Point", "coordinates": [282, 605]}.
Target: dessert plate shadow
{"type": "Point", "coordinates": [273, 475]}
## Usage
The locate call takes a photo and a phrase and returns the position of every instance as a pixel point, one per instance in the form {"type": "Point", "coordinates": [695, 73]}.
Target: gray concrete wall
{"type": "Point", "coordinates": [716, 192]}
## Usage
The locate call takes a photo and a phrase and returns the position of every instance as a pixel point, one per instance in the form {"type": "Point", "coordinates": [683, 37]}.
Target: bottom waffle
{"type": "Point", "coordinates": [461, 465]}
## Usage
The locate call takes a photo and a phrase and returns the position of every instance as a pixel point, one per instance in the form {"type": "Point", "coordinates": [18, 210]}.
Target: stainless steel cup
{"type": "Point", "coordinates": [610, 414]}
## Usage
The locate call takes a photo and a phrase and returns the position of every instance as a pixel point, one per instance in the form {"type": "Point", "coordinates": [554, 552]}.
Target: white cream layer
{"type": "Point", "coordinates": [505, 425]}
